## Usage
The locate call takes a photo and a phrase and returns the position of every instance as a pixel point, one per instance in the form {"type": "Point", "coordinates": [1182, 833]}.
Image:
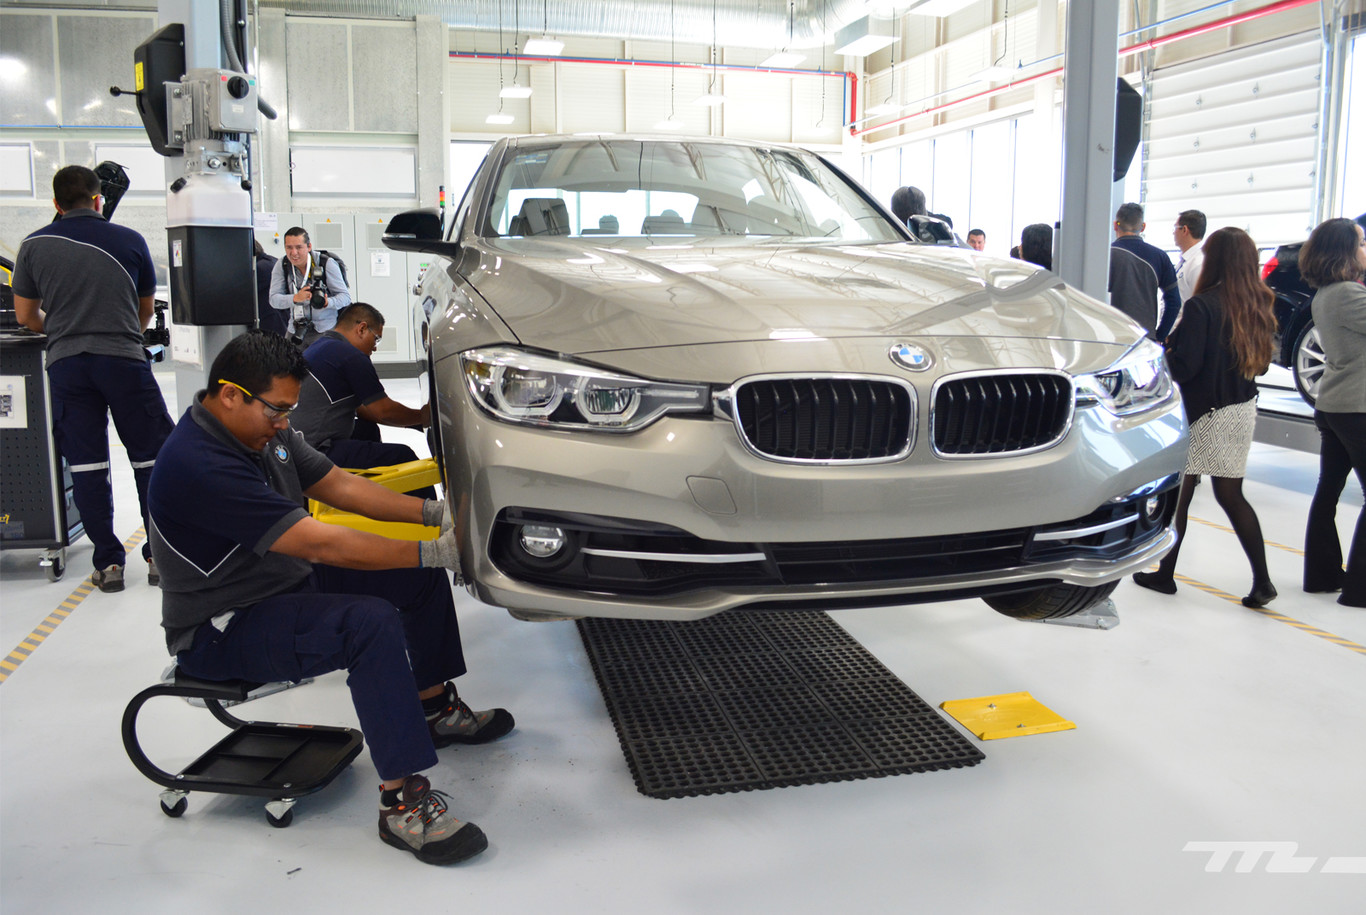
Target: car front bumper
{"type": "Point", "coordinates": [692, 483]}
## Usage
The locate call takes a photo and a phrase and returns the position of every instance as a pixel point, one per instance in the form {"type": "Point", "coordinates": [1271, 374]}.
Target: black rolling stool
{"type": "Point", "coordinates": [283, 762]}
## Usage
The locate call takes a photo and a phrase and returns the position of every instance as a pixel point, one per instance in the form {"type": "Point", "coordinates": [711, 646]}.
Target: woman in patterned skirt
{"type": "Point", "coordinates": [1223, 340]}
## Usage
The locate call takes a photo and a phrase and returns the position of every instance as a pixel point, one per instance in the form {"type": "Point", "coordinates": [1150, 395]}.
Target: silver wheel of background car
{"type": "Point", "coordinates": [1051, 603]}
{"type": "Point", "coordinates": [1308, 367]}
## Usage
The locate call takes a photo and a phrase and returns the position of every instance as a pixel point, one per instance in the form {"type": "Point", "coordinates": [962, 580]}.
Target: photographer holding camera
{"type": "Point", "coordinates": [310, 290]}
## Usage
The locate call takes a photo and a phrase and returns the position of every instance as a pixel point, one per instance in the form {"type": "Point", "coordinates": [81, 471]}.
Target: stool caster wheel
{"type": "Point", "coordinates": [280, 813]}
{"type": "Point", "coordinates": [174, 803]}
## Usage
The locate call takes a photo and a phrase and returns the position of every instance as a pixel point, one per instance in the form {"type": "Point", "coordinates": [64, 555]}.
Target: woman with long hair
{"type": "Point", "coordinates": [1223, 340]}
{"type": "Point", "coordinates": [1333, 261]}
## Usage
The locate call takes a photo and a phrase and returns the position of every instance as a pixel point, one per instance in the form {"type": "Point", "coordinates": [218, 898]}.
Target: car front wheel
{"type": "Point", "coordinates": [1308, 365]}
{"type": "Point", "coordinates": [1051, 603]}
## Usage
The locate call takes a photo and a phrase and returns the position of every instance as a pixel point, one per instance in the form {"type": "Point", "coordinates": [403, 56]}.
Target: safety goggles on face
{"type": "Point", "coordinates": [273, 411]}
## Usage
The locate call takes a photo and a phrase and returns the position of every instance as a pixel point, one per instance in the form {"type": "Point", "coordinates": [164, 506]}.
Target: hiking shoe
{"type": "Point", "coordinates": [456, 722]}
{"type": "Point", "coordinates": [108, 579]}
{"type": "Point", "coordinates": [153, 576]}
{"type": "Point", "coordinates": [421, 822]}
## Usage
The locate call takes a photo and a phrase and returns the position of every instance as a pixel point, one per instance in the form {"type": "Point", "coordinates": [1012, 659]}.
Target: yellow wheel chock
{"type": "Point", "coordinates": [399, 477]}
{"type": "Point", "coordinates": [1007, 715]}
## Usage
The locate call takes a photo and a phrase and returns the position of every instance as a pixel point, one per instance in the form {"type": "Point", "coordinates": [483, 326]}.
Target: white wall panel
{"type": "Point", "coordinates": [759, 106]}
{"type": "Point", "coordinates": [592, 98]}
{"type": "Point", "coordinates": [1234, 135]}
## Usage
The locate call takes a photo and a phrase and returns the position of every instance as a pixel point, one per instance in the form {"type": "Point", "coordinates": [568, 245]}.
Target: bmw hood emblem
{"type": "Point", "coordinates": [910, 356]}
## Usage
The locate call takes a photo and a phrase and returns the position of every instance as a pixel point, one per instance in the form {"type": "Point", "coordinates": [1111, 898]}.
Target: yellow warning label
{"type": "Point", "coordinates": [137, 76]}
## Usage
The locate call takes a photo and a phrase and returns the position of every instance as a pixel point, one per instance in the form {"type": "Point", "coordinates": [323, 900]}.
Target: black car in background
{"type": "Point", "coordinates": [1297, 344]}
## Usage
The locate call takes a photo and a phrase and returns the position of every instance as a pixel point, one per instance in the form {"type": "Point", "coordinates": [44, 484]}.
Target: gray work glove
{"type": "Point", "coordinates": [441, 553]}
{"type": "Point", "coordinates": [437, 513]}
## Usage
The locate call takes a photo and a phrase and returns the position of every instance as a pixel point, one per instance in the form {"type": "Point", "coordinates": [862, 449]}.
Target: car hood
{"type": "Point", "coordinates": [569, 297]}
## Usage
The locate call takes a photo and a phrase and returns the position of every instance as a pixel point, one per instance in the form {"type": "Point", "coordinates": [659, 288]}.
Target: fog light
{"type": "Point", "coordinates": [1152, 507]}
{"type": "Point", "coordinates": [541, 541]}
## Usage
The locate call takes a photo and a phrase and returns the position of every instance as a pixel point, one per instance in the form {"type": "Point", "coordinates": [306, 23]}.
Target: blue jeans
{"type": "Point", "coordinates": [394, 632]}
{"type": "Point", "coordinates": [86, 390]}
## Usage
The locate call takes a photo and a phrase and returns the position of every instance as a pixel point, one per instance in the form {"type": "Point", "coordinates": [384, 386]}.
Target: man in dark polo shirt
{"type": "Point", "coordinates": [1129, 226]}
{"type": "Point", "coordinates": [254, 588]}
{"type": "Point", "coordinates": [88, 284]}
{"type": "Point", "coordinates": [342, 384]}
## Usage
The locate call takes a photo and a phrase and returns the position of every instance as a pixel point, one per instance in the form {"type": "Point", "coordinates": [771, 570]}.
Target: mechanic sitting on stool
{"type": "Point", "coordinates": [253, 588]}
{"type": "Point", "coordinates": [342, 384]}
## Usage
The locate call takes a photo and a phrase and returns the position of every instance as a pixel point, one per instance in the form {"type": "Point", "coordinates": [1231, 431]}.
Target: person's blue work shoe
{"type": "Point", "coordinates": [456, 722]}
{"type": "Point", "coordinates": [420, 821]}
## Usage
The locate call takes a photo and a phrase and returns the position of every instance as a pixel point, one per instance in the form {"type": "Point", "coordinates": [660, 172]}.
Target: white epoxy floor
{"type": "Point", "coordinates": [1197, 721]}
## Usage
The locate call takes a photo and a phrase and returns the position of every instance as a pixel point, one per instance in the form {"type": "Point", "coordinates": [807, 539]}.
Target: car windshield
{"type": "Point", "coordinates": [654, 188]}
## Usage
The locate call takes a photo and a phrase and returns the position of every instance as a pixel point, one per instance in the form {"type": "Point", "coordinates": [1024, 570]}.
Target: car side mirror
{"type": "Point", "coordinates": [420, 231]}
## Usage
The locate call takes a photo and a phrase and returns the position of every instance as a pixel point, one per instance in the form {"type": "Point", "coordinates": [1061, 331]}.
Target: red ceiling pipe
{"type": "Point", "coordinates": [1150, 44]}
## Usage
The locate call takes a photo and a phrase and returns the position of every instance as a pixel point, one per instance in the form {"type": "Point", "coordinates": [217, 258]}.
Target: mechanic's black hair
{"type": "Point", "coordinates": [1194, 221]}
{"type": "Point", "coordinates": [1330, 254]}
{"type": "Point", "coordinates": [255, 359]}
{"type": "Point", "coordinates": [295, 231]}
{"type": "Point", "coordinates": [75, 187]}
{"type": "Point", "coordinates": [907, 202]}
{"type": "Point", "coordinates": [972, 232]}
{"type": "Point", "coordinates": [1130, 217]}
{"type": "Point", "coordinates": [360, 311]}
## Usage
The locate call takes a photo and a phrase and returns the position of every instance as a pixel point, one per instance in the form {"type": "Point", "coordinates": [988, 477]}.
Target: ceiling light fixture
{"type": "Point", "coordinates": [545, 46]}
{"type": "Point", "coordinates": [712, 98]}
{"type": "Point", "coordinates": [515, 91]}
{"type": "Point", "coordinates": [785, 58]}
{"type": "Point", "coordinates": [939, 8]}
{"type": "Point", "coordinates": [499, 117]}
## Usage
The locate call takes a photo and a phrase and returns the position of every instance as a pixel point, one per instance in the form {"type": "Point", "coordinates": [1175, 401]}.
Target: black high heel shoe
{"type": "Point", "coordinates": [1262, 594]}
{"type": "Point", "coordinates": [1155, 581]}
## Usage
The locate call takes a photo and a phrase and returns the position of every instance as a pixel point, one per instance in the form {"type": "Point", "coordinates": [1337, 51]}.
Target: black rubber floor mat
{"type": "Point", "coordinates": [741, 701]}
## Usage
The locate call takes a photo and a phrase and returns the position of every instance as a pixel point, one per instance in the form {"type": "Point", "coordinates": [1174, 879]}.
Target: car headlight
{"type": "Point", "coordinates": [522, 387]}
{"type": "Point", "coordinates": [1138, 381]}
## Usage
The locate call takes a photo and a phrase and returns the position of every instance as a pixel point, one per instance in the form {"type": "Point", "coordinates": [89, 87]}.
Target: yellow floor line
{"type": "Point", "coordinates": [54, 619]}
{"type": "Point", "coordinates": [1228, 530]}
{"type": "Point", "coordinates": [1272, 614]}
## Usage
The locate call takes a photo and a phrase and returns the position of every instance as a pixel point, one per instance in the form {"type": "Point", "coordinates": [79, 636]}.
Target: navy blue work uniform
{"type": "Point", "coordinates": [233, 609]}
{"type": "Point", "coordinates": [340, 379]}
{"type": "Point", "coordinates": [90, 274]}
{"type": "Point", "coordinates": [1166, 279]}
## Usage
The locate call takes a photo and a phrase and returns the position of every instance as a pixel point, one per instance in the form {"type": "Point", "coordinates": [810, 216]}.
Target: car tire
{"type": "Point", "coordinates": [1052, 603]}
{"type": "Point", "coordinates": [1308, 362]}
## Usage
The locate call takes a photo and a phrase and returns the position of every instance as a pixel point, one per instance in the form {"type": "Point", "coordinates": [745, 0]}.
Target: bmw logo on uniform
{"type": "Point", "coordinates": [908, 355]}
{"type": "Point", "coordinates": [281, 454]}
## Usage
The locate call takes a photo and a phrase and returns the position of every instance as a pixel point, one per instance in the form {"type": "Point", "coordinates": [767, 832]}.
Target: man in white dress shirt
{"type": "Point", "coordinates": [1189, 234]}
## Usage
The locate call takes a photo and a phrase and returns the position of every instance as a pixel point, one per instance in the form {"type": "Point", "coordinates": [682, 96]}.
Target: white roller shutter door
{"type": "Point", "coordinates": [1234, 136]}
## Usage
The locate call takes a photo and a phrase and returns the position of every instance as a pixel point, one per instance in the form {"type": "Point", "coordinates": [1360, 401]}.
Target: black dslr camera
{"type": "Point", "coordinates": [156, 338]}
{"type": "Point", "coordinates": [317, 283]}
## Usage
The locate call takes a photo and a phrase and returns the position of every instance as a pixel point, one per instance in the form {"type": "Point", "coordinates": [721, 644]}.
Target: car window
{"type": "Point", "coordinates": [648, 189]}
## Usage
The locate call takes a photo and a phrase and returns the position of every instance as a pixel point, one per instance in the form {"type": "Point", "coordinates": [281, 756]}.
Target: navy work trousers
{"type": "Point", "coordinates": [394, 632]}
{"type": "Point", "coordinates": [86, 390]}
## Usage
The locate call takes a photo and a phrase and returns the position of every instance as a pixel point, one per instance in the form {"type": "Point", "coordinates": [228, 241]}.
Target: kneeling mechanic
{"type": "Point", "coordinates": [256, 589]}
